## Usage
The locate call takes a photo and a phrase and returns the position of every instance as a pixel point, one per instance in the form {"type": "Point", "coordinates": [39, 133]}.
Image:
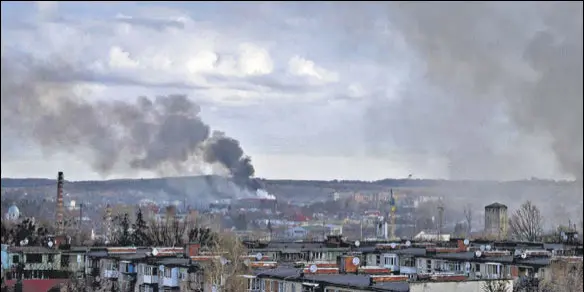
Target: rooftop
{"type": "Point", "coordinates": [495, 205]}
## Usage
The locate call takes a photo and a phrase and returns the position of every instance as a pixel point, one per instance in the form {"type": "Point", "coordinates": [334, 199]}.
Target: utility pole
{"type": "Point", "coordinates": [361, 227]}
{"type": "Point", "coordinates": [80, 215]}
{"type": "Point", "coordinates": [440, 213]}
{"type": "Point", "coordinates": [323, 230]}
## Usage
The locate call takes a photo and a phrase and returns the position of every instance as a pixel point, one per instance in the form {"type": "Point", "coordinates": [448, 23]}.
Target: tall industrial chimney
{"type": "Point", "coordinates": [108, 223]}
{"type": "Point", "coordinates": [60, 207]}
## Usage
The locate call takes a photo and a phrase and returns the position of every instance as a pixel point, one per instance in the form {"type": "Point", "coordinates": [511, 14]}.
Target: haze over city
{"type": "Point", "coordinates": [309, 90]}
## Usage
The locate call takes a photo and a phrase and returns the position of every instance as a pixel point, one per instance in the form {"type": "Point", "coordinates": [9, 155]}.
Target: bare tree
{"type": "Point", "coordinates": [565, 277]}
{"type": "Point", "coordinates": [468, 218]}
{"type": "Point", "coordinates": [170, 232]}
{"type": "Point", "coordinates": [495, 286]}
{"type": "Point", "coordinates": [225, 273]}
{"type": "Point", "coordinates": [526, 223]}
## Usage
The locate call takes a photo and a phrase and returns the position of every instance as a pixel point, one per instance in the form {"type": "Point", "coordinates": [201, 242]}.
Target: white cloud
{"type": "Point", "coordinates": [47, 7]}
{"type": "Point", "coordinates": [254, 60]}
{"type": "Point", "coordinates": [120, 59]}
{"type": "Point", "coordinates": [303, 67]}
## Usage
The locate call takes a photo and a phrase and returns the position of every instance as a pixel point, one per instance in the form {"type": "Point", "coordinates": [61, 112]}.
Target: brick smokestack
{"type": "Point", "coordinates": [108, 223]}
{"type": "Point", "coordinates": [60, 208]}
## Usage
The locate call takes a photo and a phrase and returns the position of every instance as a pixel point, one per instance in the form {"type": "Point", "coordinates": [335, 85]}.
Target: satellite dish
{"type": "Point", "coordinates": [223, 261]}
{"type": "Point", "coordinates": [356, 261]}
{"type": "Point", "coordinates": [50, 243]}
{"type": "Point", "coordinates": [247, 262]}
{"type": "Point", "coordinates": [393, 245]}
{"type": "Point", "coordinates": [313, 268]}
{"type": "Point", "coordinates": [482, 248]}
{"type": "Point", "coordinates": [22, 242]}
{"type": "Point", "coordinates": [408, 243]}
{"type": "Point", "coordinates": [523, 255]}
{"type": "Point", "coordinates": [466, 242]}
{"type": "Point", "coordinates": [517, 252]}
{"type": "Point", "coordinates": [488, 247]}
{"type": "Point", "coordinates": [357, 243]}
{"type": "Point", "coordinates": [154, 251]}
{"type": "Point", "coordinates": [478, 253]}
{"type": "Point", "coordinates": [259, 256]}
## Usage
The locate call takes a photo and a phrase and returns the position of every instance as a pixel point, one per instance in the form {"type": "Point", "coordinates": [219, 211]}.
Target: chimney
{"type": "Point", "coordinates": [108, 223]}
{"type": "Point", "coordinates": [59, 211]}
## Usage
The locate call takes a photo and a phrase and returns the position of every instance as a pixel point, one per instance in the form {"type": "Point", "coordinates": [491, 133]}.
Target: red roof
{"type": "Point", "coordinates": [37, 285]}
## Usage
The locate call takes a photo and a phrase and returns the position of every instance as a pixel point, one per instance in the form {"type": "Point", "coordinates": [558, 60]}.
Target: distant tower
{"type": "Point", "coordinates": [60, 206]}
{"type": "Point", "coordinates": [392, 211]}
{"type": "Point", "coordinates": [440, 220]}
{"type": "Point", "coordinates": [108, 223]}
{"type": "Point", "coordinates": [496, 220]}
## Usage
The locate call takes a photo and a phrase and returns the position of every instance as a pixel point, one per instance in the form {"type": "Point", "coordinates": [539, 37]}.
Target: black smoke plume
{"type": "Point", "coordinates": [163, 134]}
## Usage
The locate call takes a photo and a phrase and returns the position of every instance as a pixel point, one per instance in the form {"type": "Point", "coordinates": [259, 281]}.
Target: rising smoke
{"type": "Point", "coordinates": [165, 134]}
{"type": "Point", "coordinates": [491, 86]}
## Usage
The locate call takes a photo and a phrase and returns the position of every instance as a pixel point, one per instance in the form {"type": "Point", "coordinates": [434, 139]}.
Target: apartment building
{"type": "Point", "coordinates": [330, 265]}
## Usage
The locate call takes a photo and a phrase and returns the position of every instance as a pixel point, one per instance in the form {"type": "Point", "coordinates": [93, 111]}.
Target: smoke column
{"type": "Point", "coordinates": [164, 134]}
{"type": "Point", "coordinates": [490, 86]}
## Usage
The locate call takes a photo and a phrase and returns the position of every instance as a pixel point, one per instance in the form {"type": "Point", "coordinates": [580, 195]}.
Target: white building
{"type": "Point", "coordinates": [13, 213]}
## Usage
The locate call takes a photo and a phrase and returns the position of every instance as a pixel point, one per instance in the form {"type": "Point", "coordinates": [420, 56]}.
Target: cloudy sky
{"type": "Point", "coordinates": [311, 90]}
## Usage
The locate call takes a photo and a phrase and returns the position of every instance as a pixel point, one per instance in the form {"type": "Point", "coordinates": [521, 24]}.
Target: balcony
{"type": "Point", "coordinates": [408, 270]}
{"type": "Point", "coordinates": [169, 282]}
{"type": "Point", "coordinates": [109, 274]}
{"type": "Point", "coordinates": [149, 279]}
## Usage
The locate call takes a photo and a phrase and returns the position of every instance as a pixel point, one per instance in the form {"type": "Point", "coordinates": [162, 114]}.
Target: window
{"type": "Point", "coordinates": [50, 258]}
{"type": "Point", "coordinates": [408, 262]}
{"type": "Point", "coordinates": [293, 287]}
{"type": "Point", "coordinates": [15, 259]}
{"type": "Point", "coordinates": [167, 273]}
{"type": "Point", "coordinates": [281, 287]}
{"type": "Point", "coordinates": [389, 260]}
{"type": "Point", "coordinates": [34, 258]}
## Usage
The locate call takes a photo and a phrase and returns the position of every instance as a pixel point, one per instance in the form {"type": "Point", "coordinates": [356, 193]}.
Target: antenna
{"type": "Point", "coordinates": [313, 268]}
{"type": "Point", "coordinates": [357, 243]}
{"type": "Point", "coordinates": [223, 261]}
{"type": "Point", "coordinates": [356, 261]}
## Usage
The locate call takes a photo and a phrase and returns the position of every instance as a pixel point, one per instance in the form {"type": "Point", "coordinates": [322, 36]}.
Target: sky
{"type": "Point", "coordinates": [310, 90]}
